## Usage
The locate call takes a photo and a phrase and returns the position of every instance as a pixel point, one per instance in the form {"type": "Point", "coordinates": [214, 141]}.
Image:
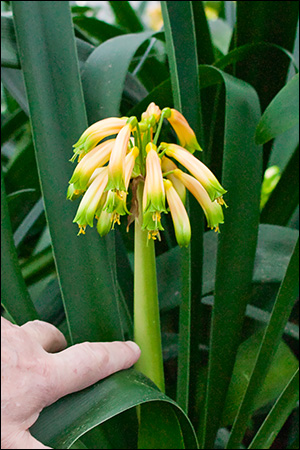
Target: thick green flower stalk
{"type": "Point", "coordinates": [116, 155]}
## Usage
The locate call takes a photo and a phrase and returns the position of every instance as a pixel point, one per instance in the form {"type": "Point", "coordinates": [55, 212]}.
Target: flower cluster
{"type": "Point", "coordinates": [107, 164]}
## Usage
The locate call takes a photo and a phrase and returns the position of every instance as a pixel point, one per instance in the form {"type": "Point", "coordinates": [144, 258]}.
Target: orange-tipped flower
{"type": "Point", "coordinates": [94, 159]}
{"type": "Point", "coordinates": [95, 133]}
{"type": "Point", "coordinates": [185, 134]}
{"type": "Point", "coordinates": [152, 113]}
{"type": "Point", "coordinates": [212, 210]}
{"type": "Point", "coordinates": [135, 154]}
{"type": "Point", "coordinates": [179, 215]}
{"type": "Point", "coordinates": [198, 169]}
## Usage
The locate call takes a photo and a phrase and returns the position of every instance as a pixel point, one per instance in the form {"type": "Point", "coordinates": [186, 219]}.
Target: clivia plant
{"type": "Point", "coordinates": [135, 255]}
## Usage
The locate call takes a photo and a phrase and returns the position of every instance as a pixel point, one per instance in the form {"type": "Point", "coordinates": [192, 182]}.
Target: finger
{"type": "Point", "coordinates": [50, 338]}
{"type": "Point", "coordinates": [84, 364]}
{"type": "Point", "coordinates": [24, 440]}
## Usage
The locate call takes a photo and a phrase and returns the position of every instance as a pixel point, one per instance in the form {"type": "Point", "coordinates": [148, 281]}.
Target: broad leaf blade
{"type": "Point", "coordinates": [285, 197]}
{"type": "Point", "coordinates": [58, 118]}
{"type": "Point", "coordinates": [71, 417]}
{"type": "Point", "coordinates": [181, 44]}
{"type": "Point", "coordinates": [282, 113]}
{"type": "Point", "coordinates": [105, 72]}
{"type": "Point", "coordinates": [281, 311]}
{"type": "Point", "coordinates": [14, 294]}
{"type": "Point", "coordinates": [242, 168]}
{"type": "Point", "coordinates": [278, 415]}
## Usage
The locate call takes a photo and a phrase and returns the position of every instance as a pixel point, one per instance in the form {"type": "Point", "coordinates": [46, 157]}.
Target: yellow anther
{"type": "Point", "coordinates": [81, 229]}
{"type": "Point", "coordinates": [115, 218]}
{"type": "Point", "coordinates": [221, 201]}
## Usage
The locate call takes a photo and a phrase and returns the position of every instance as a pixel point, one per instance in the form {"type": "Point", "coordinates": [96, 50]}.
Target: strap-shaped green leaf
{"type": "Point", "coordinates": [71, 417]}
{"type": "Point", "coordinates": [242, 169]}
{"type": "Point", "coordinates": [285, 197]}
{"type": "Point", "coordinates": [278, 415]}
{"type": "Point", "coordinates": [182, 47]}
{"type": "Point", "coordinates": [14, 294]}
{"type": "Point", "coordinates": [281, 311]}
{"type": "Point", "coordinates": [281, 114]}
{"type": "Point", "coordinates": [105, 71]}
{"type": "Point", "coordinates": [126, 16]}
{"type": "Point", "coordinates": [50, 67]}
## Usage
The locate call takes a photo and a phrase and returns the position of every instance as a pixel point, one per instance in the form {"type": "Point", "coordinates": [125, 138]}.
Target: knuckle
{"type": "Point", "coordinates": [97, 353]}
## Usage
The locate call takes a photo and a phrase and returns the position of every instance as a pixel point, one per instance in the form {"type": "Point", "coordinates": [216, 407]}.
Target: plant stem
{"type": "Point", "coordinates": [146, 309]}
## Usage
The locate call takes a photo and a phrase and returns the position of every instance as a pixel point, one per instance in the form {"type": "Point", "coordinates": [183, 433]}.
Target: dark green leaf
{"type": "Point", "coordinates": [50, 68]}
{"type": "Point", "coordinates": [242, 169]}
{"type": "Point", "coordinates": [181, 46]}
{"type": "Point", "coordinates": [281, 311]}
{"type": "Point", "coordinates": [126, 17]}
{"type": "Point", "coordinates": [14, 295]}
{"type": "Point", "coordinates": [71, 417]}
{"type": "Point", "coordinates": [283, 366]}
{"type": "Point", "coordinates": [281, 114]}
{"type": "Point", "coordinates": [105, 72]}
{"type": "Point", "coordinates": [9, 54]}
{"type": "Point", "coordinates": [205, 50]}
{"type": "Point", "coordinates": [272, 22]}
{"type": "Point", "coordinates": [278, 415]}
{"type": "Point", "coordinates": [12, 124]}
{"type": "Point", "coordinates": [97, 29]}
{"type": "Point", "coordinates": [28, 222]}
{"type": "Point", "coordinates": [259, 49]}
{"type": "Point", "coordinates": [285, 197]}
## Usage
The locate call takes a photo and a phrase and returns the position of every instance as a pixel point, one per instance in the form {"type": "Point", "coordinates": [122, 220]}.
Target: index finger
{"type": "Point", "coordinates": [84, 364]}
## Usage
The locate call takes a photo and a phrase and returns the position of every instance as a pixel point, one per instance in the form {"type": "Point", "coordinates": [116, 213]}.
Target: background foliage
{"type": "Point", "coordinates": [228, 303]}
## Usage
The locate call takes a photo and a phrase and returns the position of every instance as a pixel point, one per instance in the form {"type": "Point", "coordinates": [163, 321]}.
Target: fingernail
{"type": "Point", "coordinates": [134, 346]}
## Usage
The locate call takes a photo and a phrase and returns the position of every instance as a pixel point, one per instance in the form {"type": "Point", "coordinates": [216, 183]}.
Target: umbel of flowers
{"type": "Point", "coordinates": [117, 153]}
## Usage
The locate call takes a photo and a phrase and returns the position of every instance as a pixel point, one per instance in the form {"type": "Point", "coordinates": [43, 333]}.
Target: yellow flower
{"type": "Point", "coordinates": [87, 165]}
{"type": "Point", "coordinates": [154, 193]}
{"type": "Point", "coordinates": [95, 133]}
{"type": "Point", "coordinates": [179, 215]}
{"type": "Point", "coordinates": [184, 132]}
{"type": "Point", "coordinates": [133, 154]}
{"type": "Point", "coordinates": [91, 201]}
{"type": "Point", "coordinates": [198, 169]}
{"type": "Point", "coordinates": [212, 210]}
{"type": "Point", "coordinates": [167, 165]}
{"type": "Point", "coordinates": [116, 166]}
{"type": "Point", "coordinates": [153, 111]}
{"type": "Point", "coordinates": [116, 200]}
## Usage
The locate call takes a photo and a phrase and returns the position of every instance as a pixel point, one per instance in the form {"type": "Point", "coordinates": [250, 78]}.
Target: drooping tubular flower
{"type": "Point", "coordinates": [185, 134]}
{"type": "Point", "coordinates": [154, 193]}
{"type": "Point", "coordinates": [117, 154]}
{"type": "Point", "coordinates": [95, 133]}
{"type": "Point", "coordinates": [198, 169]}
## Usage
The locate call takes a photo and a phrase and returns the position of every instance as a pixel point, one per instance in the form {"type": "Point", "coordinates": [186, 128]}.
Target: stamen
{"type": "Point", "coordinates": [221, 201]}
{"type": "Point", "coordinates": [81, 229]}
{"type": "Point", "coordinates": [115, 219]}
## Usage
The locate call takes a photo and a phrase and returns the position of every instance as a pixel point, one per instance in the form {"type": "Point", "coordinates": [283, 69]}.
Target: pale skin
{"type": "Point", "coordinates": [37, 370]}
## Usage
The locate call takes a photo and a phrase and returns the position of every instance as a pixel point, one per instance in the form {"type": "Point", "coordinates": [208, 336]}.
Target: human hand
{"type": "Point", "coordinates": [36, 371]}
